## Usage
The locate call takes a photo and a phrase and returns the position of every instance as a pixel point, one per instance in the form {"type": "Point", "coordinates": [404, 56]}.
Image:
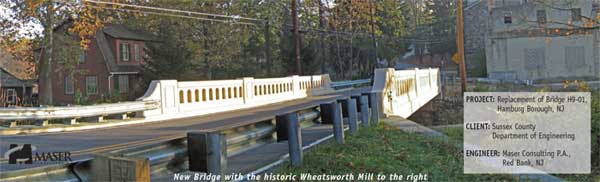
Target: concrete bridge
{"type": "Point", "coordinates": [221, 122]}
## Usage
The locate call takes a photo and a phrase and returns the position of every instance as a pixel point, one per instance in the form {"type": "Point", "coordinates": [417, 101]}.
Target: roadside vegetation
{"type": "Point", "coordinates": [387, 150]}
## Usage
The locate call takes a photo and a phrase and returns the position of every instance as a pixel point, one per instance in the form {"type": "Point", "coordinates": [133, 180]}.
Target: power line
{"type": "Point", "coordinates": [172, 10]}
{"type": "Point", "coordinates": [173, 15]}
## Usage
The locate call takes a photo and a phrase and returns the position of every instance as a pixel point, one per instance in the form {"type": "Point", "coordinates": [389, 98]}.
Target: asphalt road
{"type": "Point", "coordinates": [84, 142]}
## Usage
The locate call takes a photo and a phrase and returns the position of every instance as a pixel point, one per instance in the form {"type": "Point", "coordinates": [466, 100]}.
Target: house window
{"type": "Point", "coordinates": [123, 83]}
{"type": "Point", "coordinates": [69, 85]}
{"type": "Point", "coordinates": [541, 16]}
{"type": "Point", "coordinates": [124, 51]}
{"type": "Point", "coordinates": [91, 85]}
{"type": "Point", "coordinates": [576, 14]}
{"type": "Point", "coordinates": [11, 96]}
{"type": "Point", "coordinates": [136, 52]}
{"type": "Point", "coordinates": [507, 18]}
{"type": "Point", "coordinates": [82, 57]}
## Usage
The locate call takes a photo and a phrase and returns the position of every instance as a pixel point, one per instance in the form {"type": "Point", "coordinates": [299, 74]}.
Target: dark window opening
{"type": "Point", "coordinates": [507, 18]}
{"type": "Point", "coordinates": [576, 14]}
{"type": "Point", "coordinates": [541, 16]}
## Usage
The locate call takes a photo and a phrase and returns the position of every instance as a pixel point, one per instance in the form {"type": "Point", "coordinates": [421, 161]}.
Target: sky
{"type": "Point", "coordinates": [6, 12]}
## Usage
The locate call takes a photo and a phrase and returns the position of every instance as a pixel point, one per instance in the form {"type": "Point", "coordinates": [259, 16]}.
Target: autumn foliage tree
{"type": "Point", "coordinates": [48, 14]}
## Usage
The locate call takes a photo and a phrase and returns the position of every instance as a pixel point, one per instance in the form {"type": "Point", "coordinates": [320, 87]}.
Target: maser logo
{"type": "Point", "coordinates": [20, 154]}
{"type": "Point", "coordinates": [24, 154]}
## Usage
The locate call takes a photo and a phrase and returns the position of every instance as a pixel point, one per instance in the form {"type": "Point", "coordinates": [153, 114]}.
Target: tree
{"type": "Point", "coordinates": [170, 56]}
{"type": "Point", "coordinates": [48, 14]}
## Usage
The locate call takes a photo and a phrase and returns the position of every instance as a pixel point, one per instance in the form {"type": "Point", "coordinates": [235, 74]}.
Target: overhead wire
{"type": "Point", "coordinates": [172, 10]}
{"type": "Point", "coordinates": [173, 15]}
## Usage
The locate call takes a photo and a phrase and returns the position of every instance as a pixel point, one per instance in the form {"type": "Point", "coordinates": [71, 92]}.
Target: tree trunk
{"type": "Point", "coordinates": [369, 63]}
{"type": "Point", "coordinates": [268, 48]}
{"type": "Point", "coordinates": [296, 37]}
{"type": "Point", "coordinates": [47, 98]}
{"type": "Point", "coordinates": [322, 50]}
{"type": "Point", "coordinates": [351, 62]}
{"type": "Point", "coordinates": [337, 44]}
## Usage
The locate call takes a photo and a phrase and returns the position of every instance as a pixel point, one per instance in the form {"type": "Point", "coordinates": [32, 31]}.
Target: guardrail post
{"type": "Point", "coordinates": [364, 110]}
{"type": "Point", "coordinates": [207, 152]}
{"type": "Point", "coordinates": [288, 128]}
{"type": "Point", "coordinates": [113, 168]}
{"type": "Point", "coordinates": [13, 124]}
{"type": "Point", "coordinates": [331, 113]}
{"type": "Point", "coordinates": [349, 111]}
{"type": "Point", "coordinates": [374, 100]}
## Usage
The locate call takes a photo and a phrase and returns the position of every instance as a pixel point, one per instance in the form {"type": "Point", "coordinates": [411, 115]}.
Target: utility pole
{"type": "Point", "coordinates": [296, 38]}
{"type": "Point", "coordinates": [268, 47]}
{"type": "Point", "coordinates": [323, 51]}
{"type": "Point", "coordinates": [460, 41]}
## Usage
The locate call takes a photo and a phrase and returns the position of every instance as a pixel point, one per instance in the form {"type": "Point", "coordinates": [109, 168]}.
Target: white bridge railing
{"type": "Point", "coordinates": [403, 92]}
{"type": "Point", "coordinates": [192, 98]}
{"type": "Point", "coordinates": [166, 99]}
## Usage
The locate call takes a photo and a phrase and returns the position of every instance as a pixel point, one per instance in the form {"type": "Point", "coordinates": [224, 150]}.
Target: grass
{"type": "Point", "coordinates": [454, 133]}
{"type": "Point", "coordinates": [386, 150]}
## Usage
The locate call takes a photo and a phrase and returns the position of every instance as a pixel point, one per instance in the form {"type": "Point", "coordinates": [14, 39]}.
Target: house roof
{"type": "Point", "coordinates": [19, 69]}
{"type": "Point", "coordinates": [119, 32]}
{"type": "Point", "coordinates": [123, 32]}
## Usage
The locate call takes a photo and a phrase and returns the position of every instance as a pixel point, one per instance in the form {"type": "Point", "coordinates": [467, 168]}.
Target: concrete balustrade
{"type": "Point", "coordinates": [170, 99]}
{"type": "Point", "coordinates": [192, 98]}
{"type": "Point", "coordinates": [403, 92]}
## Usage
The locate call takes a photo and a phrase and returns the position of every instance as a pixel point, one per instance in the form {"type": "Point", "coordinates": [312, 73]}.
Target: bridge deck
{"type": "Point", "coordinates": [83, 143]}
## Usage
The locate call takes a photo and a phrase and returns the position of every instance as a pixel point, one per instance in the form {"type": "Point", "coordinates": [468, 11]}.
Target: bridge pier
{"type": "Point", "coordinates": [207, 152]}
{"type": "Point", "coordinates": [288, 128]}
{"type": "Point", "coordinates": [331, 113]}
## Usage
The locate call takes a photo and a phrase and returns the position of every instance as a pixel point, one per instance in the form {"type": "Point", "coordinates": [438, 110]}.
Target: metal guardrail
{"type": "Point", "coordinates": [46, 113]}
{"type": "Point", "coordinates": [349, 83]}
{"type": "Point", "coordinates": [169, 155]}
